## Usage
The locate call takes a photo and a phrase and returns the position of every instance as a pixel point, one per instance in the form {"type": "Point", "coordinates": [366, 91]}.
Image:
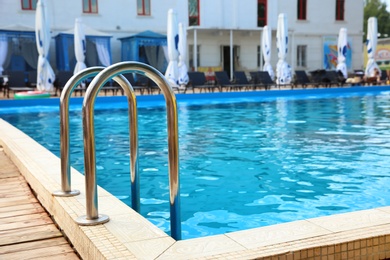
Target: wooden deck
{"type": "Point", "coordinates": [26, 229]}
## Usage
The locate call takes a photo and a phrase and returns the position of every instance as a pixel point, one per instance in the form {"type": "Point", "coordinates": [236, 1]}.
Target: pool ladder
{"type": "Point", "coordinates": [101, 76]}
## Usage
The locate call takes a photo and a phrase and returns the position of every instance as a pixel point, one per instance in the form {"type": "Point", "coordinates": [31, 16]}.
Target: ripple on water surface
{"type": "Point", "coordinates": [242, 165]}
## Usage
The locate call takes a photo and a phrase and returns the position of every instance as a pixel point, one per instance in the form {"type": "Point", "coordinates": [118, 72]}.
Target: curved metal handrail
{"type": "Point", "coordinates": [89, 139]}
{"type": "Point", "coordinates": [66, 93]}
{"type": "Point", "coordinates": [75, 80]}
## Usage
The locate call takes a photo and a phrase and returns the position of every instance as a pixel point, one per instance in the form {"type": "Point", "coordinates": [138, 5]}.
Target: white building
{"type": "Point", "coordinates": [219, 28]}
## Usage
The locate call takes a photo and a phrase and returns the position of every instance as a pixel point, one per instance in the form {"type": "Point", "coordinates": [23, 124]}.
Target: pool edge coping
{"type": "Point", "coordinates": [112, 240]}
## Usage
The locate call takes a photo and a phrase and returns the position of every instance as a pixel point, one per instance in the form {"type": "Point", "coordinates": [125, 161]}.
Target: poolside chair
{"type": "Point", "coordinates": [318, 77]}
{"type": "Point", "coordinates": [32, 79]}
{"type": "Point", "coordinates": [110, 86]}
{"type": "Point", "coordinates": [341, 79]}
{"type": "Point", "coordinates": [384, 77]}
{"type": "Point", "coordinates": [17, 82]}
{"type": "Point", "coordinates": [265, 80]}
{"type": "Point", "coordinates": [2, 85]}
{"type": "Point", "coordinates": [240, 78]}
{"type": "Point", "coordinates": [378, 79]}
{"type": "Point", "coordinates": [331, 78]}
{"type": "Point", "coordinates": [198, 81]}
{"type": "Point", "coordinates": [62, 78]}
{"type": "Point", "coordinates": [254, 79]}
{"type": "Point", "coordinates": [223, 81]}
{"type": "Point", "coordinates": [303, 80]}
{"type": "Point", "coordinates": [142, 88]}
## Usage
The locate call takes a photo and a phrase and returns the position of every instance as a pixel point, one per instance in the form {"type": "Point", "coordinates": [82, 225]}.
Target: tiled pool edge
{"type": "Point", "coordinates": [129, 236]}
{"type": "Point", "coordinates": [41, 170]}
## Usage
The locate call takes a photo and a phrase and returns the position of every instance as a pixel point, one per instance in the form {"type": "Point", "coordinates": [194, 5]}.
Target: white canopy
{"type": "Point", "coordinates": [342, 52]}
{"type": "Point", "coordinates": [372, 40]}
{"type": "Point", "coordinates": [183, 71]}
{"type": "Point", "coordinates": [80, 46]}
{"type": "Point", "coordinates": [283, 70]}
{"type": "Point", "coordinates": [171, 73]}
{"type": "Point", "coordinates": [45, 74]}
{"type": "Point", "coordinates": [266, 43]}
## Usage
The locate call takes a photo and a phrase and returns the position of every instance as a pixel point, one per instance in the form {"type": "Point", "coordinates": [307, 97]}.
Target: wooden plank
{"type": "Point", "coordinates": [10, 173]}
{"type": "Point", "coordinates": [39, 253]}
{"type": "Point", "coordinates": [27, 222]}
{"type": "Point", "coordinates": [26, 229]}
{"type": "Point", "coordinates": [7, 202]}
{"type": "Point", "coordinates": [28, 234]}
{"type": "Point", "coordinates": [14, 187]}
{"type": "Point", "coordinates": [19, 210]}
{"type": "Point", "coordinates": [20, 207]}
{"type": "Point", "coordinates": [66, 256]}
{"type": "Point", "coordinates": [24, 218]}
{"type": "Point", "coordinates": [16, 179]}
{"type": "Point", "coordinates": [6, 182]}
{"type": "Point", "coordinates": [31, 245]}
{"type": "Point", "coordinates": [14, 193]}
{"type": "Point", "coordinates": [7, 168]}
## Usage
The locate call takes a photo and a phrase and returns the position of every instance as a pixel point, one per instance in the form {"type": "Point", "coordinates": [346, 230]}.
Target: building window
{"type": "Point", "coordinates": [302, 9]}
{"type": "Point", "coordinates": [143, 7]}
{"type": "Point", "coordinates": [90, 6]}
{"type": "Point", "coordinates": [301, 55]}
{"type": "Point", "coordinates": [340, 10]}
{"type": "Point", "coordinates": [261, 13]}
{"type": "Point", "coordinates": [29, 4]}
{"type": "Point", "coordinates": [193, 12]}
{"type": "Point", "coordinates": [259, 56]}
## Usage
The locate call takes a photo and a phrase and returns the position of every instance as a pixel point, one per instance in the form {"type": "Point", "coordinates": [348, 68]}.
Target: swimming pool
{"type": "Point", "coordinates": [285, 158]}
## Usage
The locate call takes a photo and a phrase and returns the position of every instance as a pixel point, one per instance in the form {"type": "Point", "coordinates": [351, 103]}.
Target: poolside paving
{"type": "Point", "coordinates": [26, 229]}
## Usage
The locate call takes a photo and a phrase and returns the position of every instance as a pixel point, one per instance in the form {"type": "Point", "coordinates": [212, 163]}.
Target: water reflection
{"type": "Point", "coordinates": [242, 165]}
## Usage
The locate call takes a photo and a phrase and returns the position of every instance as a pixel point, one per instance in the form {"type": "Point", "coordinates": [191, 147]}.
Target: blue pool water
{"type": "Point", "coordinates": [245, 162]}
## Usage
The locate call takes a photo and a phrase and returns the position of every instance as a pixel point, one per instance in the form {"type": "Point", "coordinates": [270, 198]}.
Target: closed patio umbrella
{"type": "Point", "coordinates": [171, 73]}
{"type": "Point", "coordinates": [45, 73]}
{"type": "Point", "coordinates": [266, 42]}
{"type": "Point", "coordinates": [283, 70]}
{"type": "Point", "coordinates": [79, 45]}
{"type": "Point", "coordinates": [183, 71]}
{"type": "Point", "coordinates": [342, 52]}
{"type": "Point", "coordinates": [372, 39]}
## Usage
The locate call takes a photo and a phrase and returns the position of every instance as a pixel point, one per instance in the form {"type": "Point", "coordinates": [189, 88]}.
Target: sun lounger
{"type": "Point", "coordinates": [303, 80]}
{"type": "Point", "coordinates": [32, 79]}
{"type": "Point", "coordinates": [62, 78]}
{"type": "Point", "coordinates": [198, 81]}
{"type": "Point", "coordinates": [142, 85]}
{"type": "Point", "coordinates": [332, 78]}
{"type": "Point", "coordinates": [262, 79]}
{"type": "Point", "coordinates": [240, 78]}
{"type": "Point", "coordinates": [110, 86]}
{"type": "Point", "coordinates": [17, 82]}
{"type": "Point", "coordinates": [223, 81]}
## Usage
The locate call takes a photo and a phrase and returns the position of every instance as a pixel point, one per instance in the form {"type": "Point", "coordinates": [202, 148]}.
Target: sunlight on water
{"type": "Point", "coordinates": [242, 165]}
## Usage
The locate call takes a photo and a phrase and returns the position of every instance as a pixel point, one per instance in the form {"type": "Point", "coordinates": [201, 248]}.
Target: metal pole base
{"type": "Point", "coordinates": [83, 221]}
{"type": "Point", "coordinates": [61, 193]}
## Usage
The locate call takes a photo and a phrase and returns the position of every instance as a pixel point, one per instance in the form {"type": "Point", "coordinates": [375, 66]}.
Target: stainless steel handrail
{"type": "Point", "coordinates": [93, 217]}
{"type": "Point", "coordinates": [89, 140]}
{"type": "Point", "coordinates": [64, 133]}
{"type": "Point", "coordinates": [75, 80]}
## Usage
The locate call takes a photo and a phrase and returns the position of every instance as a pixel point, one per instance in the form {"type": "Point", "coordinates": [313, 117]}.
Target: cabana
{"type": "Point", "coordinates": [98, 49]}
{"type": "Point", "coordinates": [147, 47]}
{"type": "Point", "coordinates": [18, 50]}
